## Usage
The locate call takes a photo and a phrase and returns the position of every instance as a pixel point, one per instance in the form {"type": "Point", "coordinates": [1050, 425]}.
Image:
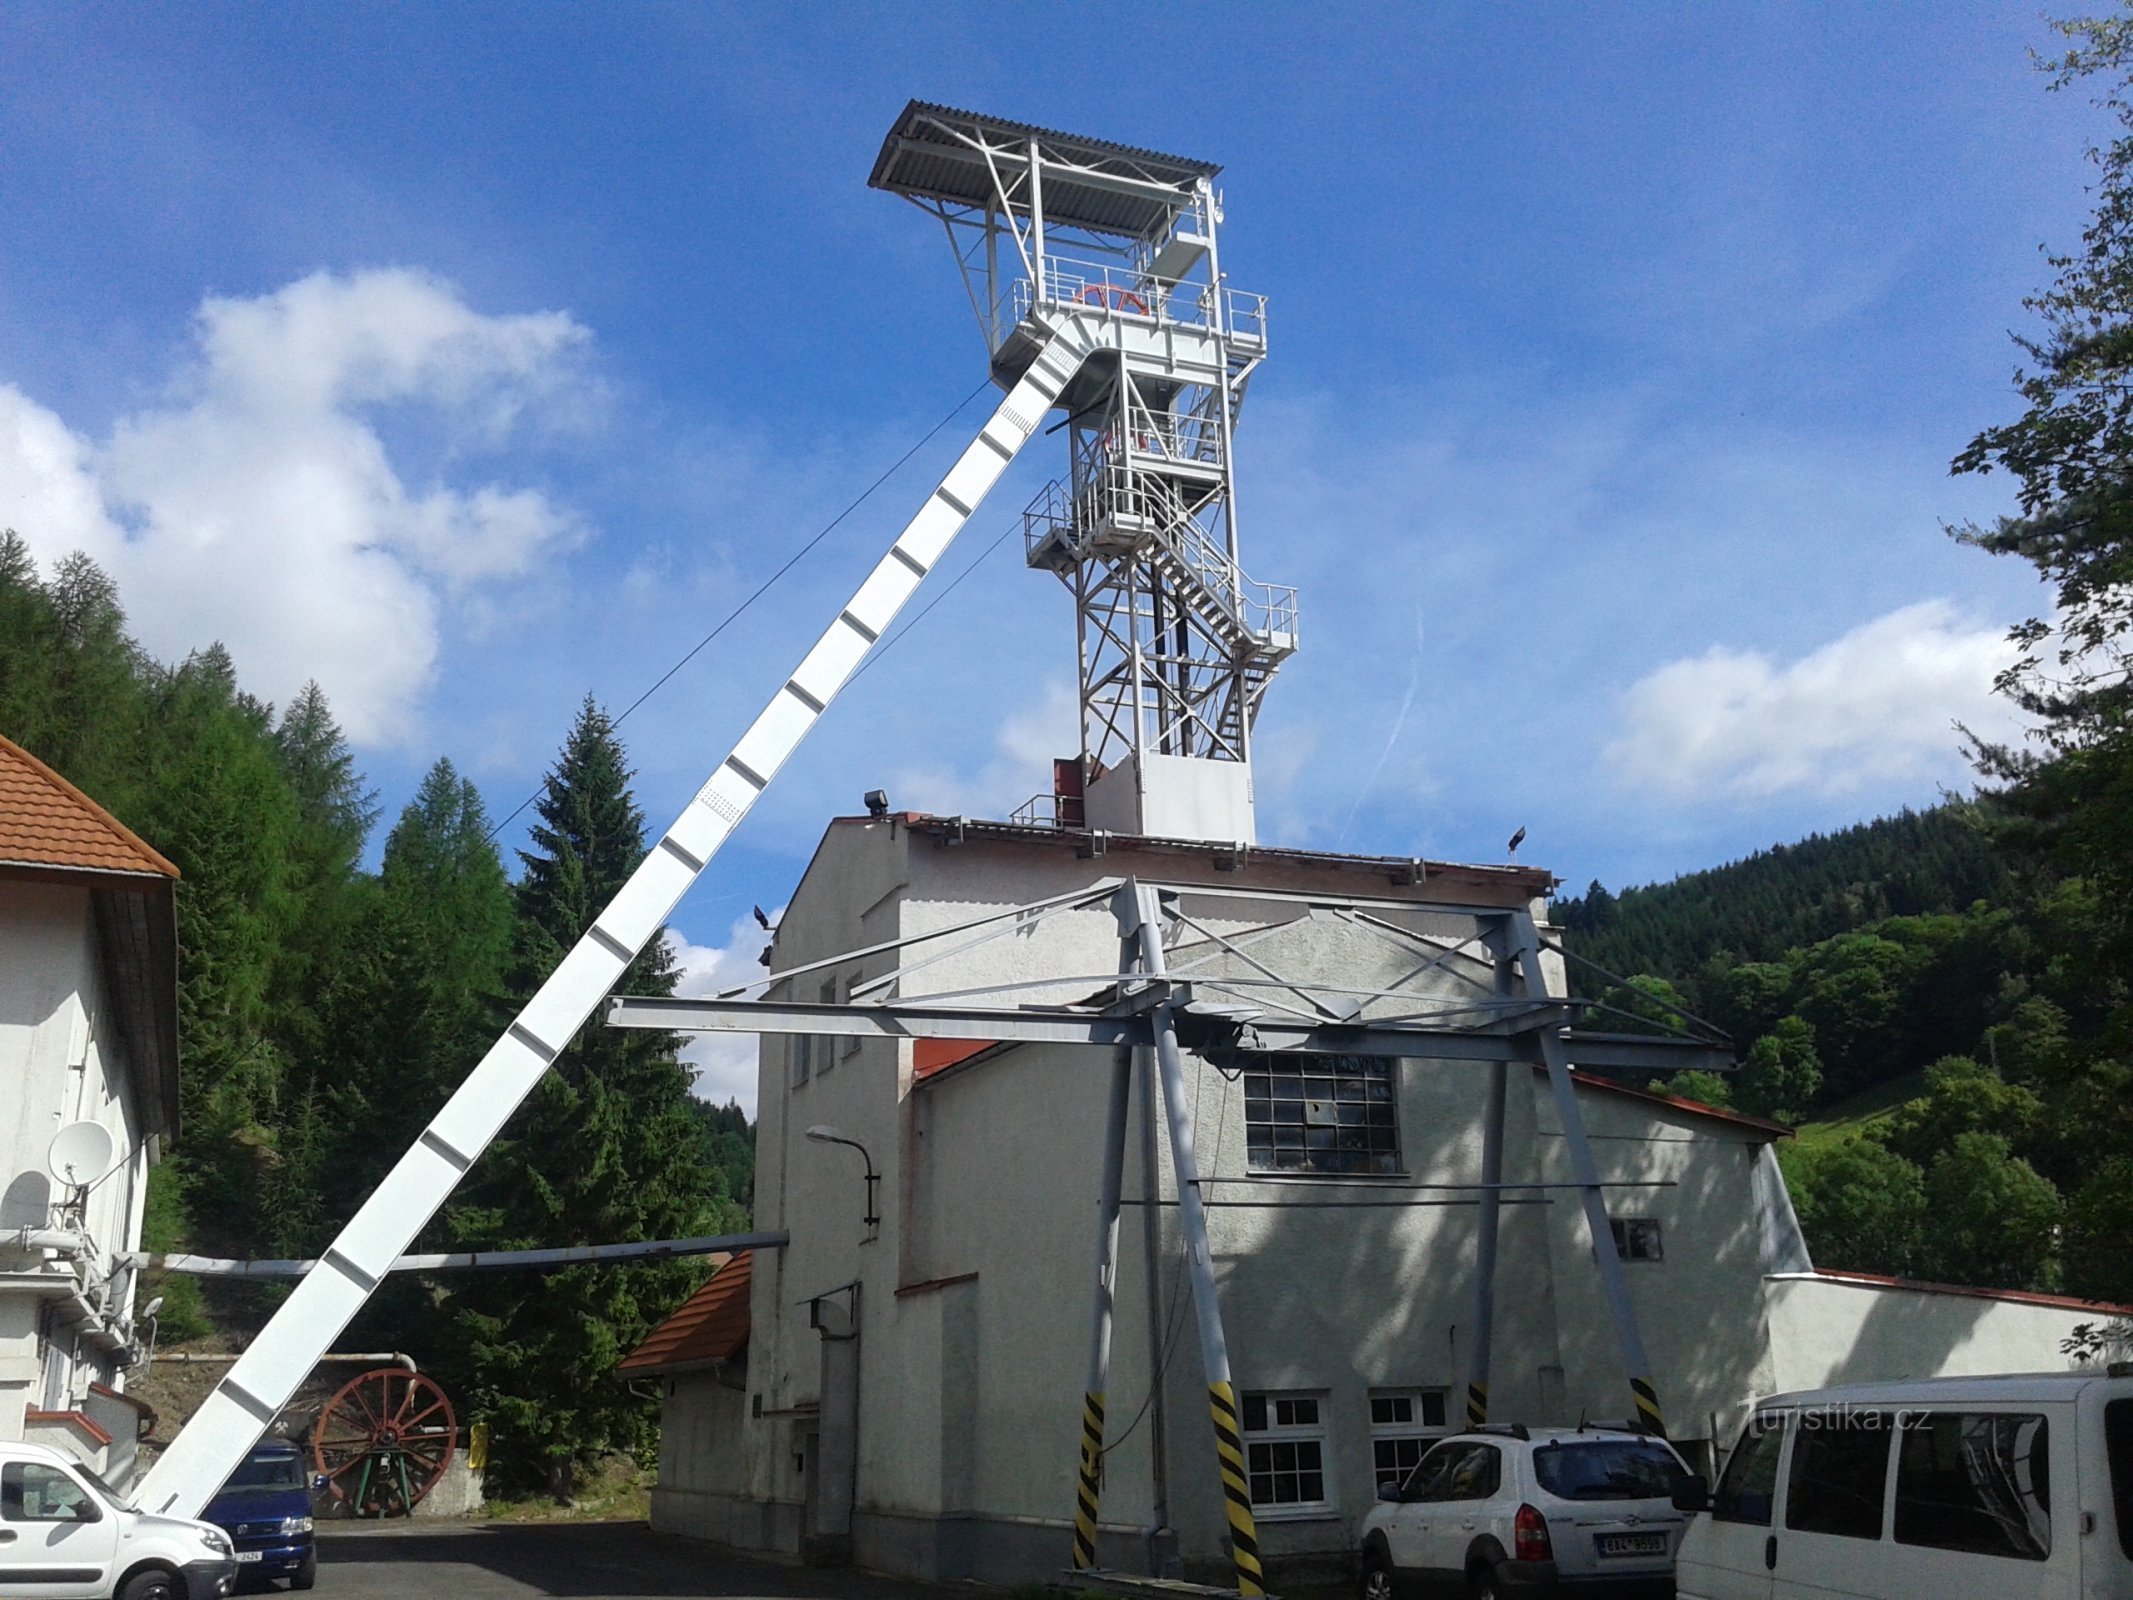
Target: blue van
{"type": "Point", "coordinates": [265, 1508]}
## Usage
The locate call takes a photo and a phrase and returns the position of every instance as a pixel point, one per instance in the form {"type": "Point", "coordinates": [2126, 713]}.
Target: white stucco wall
{"type": "Point", "coordinates": [1834, 1330]}
{"type": "Point", "coordinates": [61, 1062]}
{"type": "Point", "coordinates": [975, 1296]}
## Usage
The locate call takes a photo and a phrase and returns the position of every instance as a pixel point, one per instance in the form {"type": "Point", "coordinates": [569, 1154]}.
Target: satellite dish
{"type": "Point", "coordinates": [81, 1153]}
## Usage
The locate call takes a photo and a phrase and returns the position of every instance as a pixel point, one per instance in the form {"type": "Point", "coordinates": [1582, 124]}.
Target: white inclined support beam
{"type": "Point", "coordinates": [278, 1360]}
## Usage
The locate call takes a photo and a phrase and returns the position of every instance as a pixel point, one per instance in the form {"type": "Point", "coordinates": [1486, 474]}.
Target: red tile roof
{"type": "Point", "coordinates": [46, 822]}
{"type": "Point", "coordinates": [929, 1056]}
{"type": "Point", "coordinates": [711, 1325]}
{"type": "Point", "coordinates": [2024, 1297]}
{"type": "Point", "coordinates": [1776, 1130]}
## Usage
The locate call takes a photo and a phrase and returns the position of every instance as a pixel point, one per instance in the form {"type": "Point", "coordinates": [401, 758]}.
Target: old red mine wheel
{"type": "Point", "coordinates": [384, 1440]}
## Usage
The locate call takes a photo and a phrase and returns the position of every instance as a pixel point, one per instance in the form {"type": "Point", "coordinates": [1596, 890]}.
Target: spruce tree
{"type": "Point", "coordinates": [608, 1148]}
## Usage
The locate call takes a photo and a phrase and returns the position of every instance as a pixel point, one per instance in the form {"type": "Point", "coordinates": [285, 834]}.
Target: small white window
{"type": "Point", "coordinates": [1285, 1453]}
{"type": "Point", "coordinates": [1402, 1424]}
{"type": "Point", "coordinates": [1636, 1238]}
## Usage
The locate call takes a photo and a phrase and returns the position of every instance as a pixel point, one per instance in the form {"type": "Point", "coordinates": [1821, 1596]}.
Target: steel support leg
{"type": "Point", "coordinates": [1141, 903]}
{"type": "Point", "coordinates": [1586, 1172]}
{"type": "Point", "coordinates": [1089, 1481]}
{"type": "Point", "coordinates": [1477, 1372]}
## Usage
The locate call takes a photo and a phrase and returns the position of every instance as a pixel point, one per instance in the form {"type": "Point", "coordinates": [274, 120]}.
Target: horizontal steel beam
{"type": "Point", "coordinates": [1215, 1034]}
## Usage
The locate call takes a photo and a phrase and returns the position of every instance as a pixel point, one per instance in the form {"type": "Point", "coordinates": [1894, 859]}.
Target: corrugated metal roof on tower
{"type": "Point", "coordinates": [46, 822]}
{"type": "Point", "coordinates": [920, 157]}
{"type": "Point", "coordinates": [711, 1325]}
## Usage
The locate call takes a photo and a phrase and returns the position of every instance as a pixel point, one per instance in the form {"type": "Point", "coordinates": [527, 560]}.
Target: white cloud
{"type": "Point", "coordinates": [257, 502]}
{"type": "Point", "coordinates": [1025, 742]}
{"type": "Point", "coordinates": [1876, 706]}
{"type": "Point", "coordinates": [725, 1063]}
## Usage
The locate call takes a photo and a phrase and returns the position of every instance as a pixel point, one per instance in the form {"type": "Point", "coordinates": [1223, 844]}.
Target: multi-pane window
{"type": "Point", "coordinates": [1321, 1114]}
{"type": "Point", "coordinates": [1637, 1238]}
{"type": "Point", "coordinates": [803, 1057]}
{"type": "Point", "coordinates": [1285, 1451]}
{"type": "Point", "coordinates": [1402, 1423]}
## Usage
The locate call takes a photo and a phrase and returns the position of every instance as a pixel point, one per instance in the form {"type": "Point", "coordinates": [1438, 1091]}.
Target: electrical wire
{"type": "Point", "coordinates": [768, 583]}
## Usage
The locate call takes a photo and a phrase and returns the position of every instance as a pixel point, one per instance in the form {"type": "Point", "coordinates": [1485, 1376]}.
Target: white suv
{"type": "Point", "coordinates": [1508, 1511]}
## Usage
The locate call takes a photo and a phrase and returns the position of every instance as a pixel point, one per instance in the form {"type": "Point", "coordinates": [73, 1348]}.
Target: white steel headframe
{"type": "Point", "coordinates": [1176, 644]}
{"type": "Point", "coordinates": [246, 1401]}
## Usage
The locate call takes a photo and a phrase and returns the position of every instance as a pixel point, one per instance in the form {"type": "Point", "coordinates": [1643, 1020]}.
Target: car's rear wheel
{"type": "Point", "coordinates": [1482, 1585]}
{"type": "Point", "coordinates": [1377, 1576]}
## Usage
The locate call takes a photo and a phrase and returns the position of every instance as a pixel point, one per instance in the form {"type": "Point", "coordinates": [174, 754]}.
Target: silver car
{"type": "Point", "coordinates": [1499, 1512]}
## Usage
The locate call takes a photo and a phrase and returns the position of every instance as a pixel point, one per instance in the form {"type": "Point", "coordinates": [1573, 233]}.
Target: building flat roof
{"type": "Point", "coordinates": [1494, 884]}
{"type": "Point", "coordinates": [1117, 189]}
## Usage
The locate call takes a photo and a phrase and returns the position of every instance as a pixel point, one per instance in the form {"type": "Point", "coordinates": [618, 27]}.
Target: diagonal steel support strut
{"type": "Point", "coordinates": [210, 1446]}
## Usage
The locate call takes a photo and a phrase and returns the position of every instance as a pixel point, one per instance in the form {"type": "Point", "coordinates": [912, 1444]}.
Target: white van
{"type": "Point", "coordinates": [63, 1534]}
{"type": "Point", "coordinates": [1939, 1489]}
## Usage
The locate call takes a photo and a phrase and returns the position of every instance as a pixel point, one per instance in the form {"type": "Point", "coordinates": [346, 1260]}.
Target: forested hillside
{"type": "Point", "coordinates": [1925, 954]}
{"type": "Point", "coordinates": [325, 1011]}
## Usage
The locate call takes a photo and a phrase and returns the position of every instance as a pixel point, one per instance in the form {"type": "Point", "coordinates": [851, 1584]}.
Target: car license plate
{"type": "Point", "coordinates": [1631, 1544]}
{"type": "Point", "coordinates": [250, 1555]}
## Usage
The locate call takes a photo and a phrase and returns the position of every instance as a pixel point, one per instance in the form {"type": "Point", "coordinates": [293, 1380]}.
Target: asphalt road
{"type": "Point", "coordinates": [586, 1560]}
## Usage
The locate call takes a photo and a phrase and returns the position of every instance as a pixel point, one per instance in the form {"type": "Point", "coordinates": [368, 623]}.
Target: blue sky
{"type": "Point", "coordinates": [473, 359]}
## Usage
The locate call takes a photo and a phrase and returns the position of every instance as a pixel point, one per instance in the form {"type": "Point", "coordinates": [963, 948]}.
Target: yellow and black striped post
{"type": "Point", "coordinates": [1089, 1482]}
{"type": "Point", "coordinates": [1643, 1391]}
{"type": "Point", "coordinates": [1089, 1474]}
{"type": "Point", "coordinates": [1477, 1404]}
{"type": "Point", "coordinates": [1236, 1490]}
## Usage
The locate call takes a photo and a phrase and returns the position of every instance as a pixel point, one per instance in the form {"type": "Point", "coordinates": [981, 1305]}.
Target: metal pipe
{"type": "Point", "coordinates": [1089, 1480]}
{"type": "Point", "coordinates": [368, 1358]}
{"type": "Point", "coordinates": [567, 1256]}
{"type": "Point", "coordinates": [1477, 1371]}
{"type": "Point", "coordinates": [1141, 909]}
{"type": "Point", "coordinates": [64, 1240]}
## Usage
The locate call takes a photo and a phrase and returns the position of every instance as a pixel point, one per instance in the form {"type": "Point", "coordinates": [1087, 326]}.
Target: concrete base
{"type": "Point", "coordinates": [998, 1550]}
{"type": "Point", "coordinates": [771, 1527]}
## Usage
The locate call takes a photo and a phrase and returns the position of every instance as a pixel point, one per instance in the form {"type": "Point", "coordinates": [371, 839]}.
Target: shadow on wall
{"type": "Point", "coordinates": [1912, 1334]}
{"type": "Point", "coordinates": [27, 1201]}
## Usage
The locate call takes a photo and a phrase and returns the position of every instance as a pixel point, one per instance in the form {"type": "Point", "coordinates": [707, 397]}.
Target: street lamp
{"type": "Point", "coordinates": [823, 1133]}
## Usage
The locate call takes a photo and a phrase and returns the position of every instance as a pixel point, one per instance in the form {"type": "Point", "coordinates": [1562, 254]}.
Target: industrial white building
{"type": "Point", "coordinates": [1014, 1074]}
{"type": "Point", "coordinates": [88, 1057]}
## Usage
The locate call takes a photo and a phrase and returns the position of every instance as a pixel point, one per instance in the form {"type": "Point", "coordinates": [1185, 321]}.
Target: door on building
{"type": "Point", "coordinates": [1729, 1554]}
{"type": "Point", "coordinates": [56, 1538]}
